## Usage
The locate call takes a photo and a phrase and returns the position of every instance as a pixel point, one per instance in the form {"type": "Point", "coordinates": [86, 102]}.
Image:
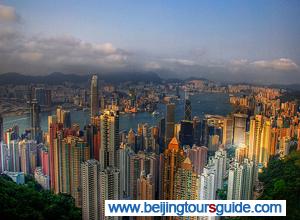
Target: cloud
{"type": "Point", "coordinates": [184, 62]}
{"type": "Point", "coordinates": [8, 14]}
{"type": "Point", "coordinates": [60, 53]}
{"type": "Point", "coordinates": [284, 64]}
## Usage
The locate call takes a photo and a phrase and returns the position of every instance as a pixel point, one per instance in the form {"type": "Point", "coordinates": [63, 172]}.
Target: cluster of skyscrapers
{"type": "Point", "coordinates": [188, 160]}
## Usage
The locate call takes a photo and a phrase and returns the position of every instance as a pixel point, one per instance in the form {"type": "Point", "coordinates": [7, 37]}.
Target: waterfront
{"type": "Point", "coordinates": [202, 103]}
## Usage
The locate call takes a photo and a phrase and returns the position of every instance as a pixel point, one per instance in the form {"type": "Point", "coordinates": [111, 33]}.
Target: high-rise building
{"type": "Point", "coordinates": [28, 156]}
{"type": "Point", "coordinates": [109, 189]}
{"type": "Point", "coordinates": [80, 152]}
{"type": "Point", "coordinates": [173, 156]}
{"type": "Point", "coordinates": [227, 131]}
{"type": "Point", "coordinates": [186, 182]}
{"type": "Point", "coordinates": [198, 156]}
{"type": "Point", "coordinates": [109, 139]}
{"type": "Point", "coordinates": [208, 183]}
{"type": "Point", "coordinates": [187, 109]}
{"type": "Point", "coordinates": [241, 152]}
{"type": "Point", "coordinates": [240, 180]}
{"type": "Point", "coordinates": [197, 130]}
{"type": "Point", "coordinates": [145, 187]}
{"type": "Point", "coordinates": [239, 129]}
{"type": "Point", "coordinates": [125, 152]}
{"type": "Point", "coordinates": [219, 163]}
{"type": "Point", "coordinates": [141, 162]}
{"type": "Point", "coordinates": [186, 133]}
{"type": "Point", "coordinates": [34, 109]}
{"type": "Point", "coordinates": [256, 125]}
{"type": "Point", "coordinates": [90, 181]}
{"type": "Point", "coordinates": [170, 122]}
{"type": "Point", "coordinates": [94, 96]}
{"type": "Point", "coordinates": [265, 145]}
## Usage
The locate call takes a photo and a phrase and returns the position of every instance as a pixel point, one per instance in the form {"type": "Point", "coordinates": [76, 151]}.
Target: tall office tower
{"type": "Point", "coordinates": [170, 122]}
{"type": "Point", "coordinates": [265, 145]}
{"type": "Point", "coordinates": [240, 180]}
{"type": "Point", "coordinates": [241, 152]}
{"type": "Point", "coordinates": [34, 110]}
{"type": "Point", "coordinates": [109, 189]}
{"type": "Point", "coordinates": [79, 152]}
{"type": "Point", "coordinates": [227, 131]}
{"type": "Point", "coordinates": [208, 183]}
{"type": "Point", "coordinates": [28, 156]}
{"type": "Point", "coordinates": [125, 152]}
{"type": "Point", "coordinates": [90, 174]}
{"type": "Point", "coordinates": [109, 139]}
{"type": "Point", "coordinates": [239, 129]}
{"type": "Point", "coordinates": [197, 130]}
{"type": "Point", "coordinates": [145, 187]}
{"type": "Point", "coordinates": [172, 159]}
{"type": "Point", "coordinates": [43, 96]}
{"type": "Point", "coordinates": [94, 96]}
{"type": "Point", "coordinates": [187, 108]}
{"type": "Point", "coordinates": [198, 156]}
{"type": "Point", "coordinates": [186, 182]}
{"type": "Point", "coordinates": [256, 126]}
{"type": "Point", "coordinates": [186, 133]}
{"type": "Point", "coordinates": [1, 128]}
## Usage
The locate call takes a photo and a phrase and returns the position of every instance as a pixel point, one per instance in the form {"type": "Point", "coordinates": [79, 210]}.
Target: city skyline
{"type": "Point", "coordinates": [144, 110]}
{"type": "Point", "coordinates": [232, 41]}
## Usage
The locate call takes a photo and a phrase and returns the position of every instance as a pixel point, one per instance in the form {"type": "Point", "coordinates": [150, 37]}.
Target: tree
{"type": "Point", "coordinates": [29, 201]}
{"type": "Point", "coordinates": [281, 180]}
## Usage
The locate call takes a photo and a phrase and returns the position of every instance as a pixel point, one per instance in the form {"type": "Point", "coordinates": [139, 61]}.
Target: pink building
{"type": "Point", "coordinates": [198, 157]}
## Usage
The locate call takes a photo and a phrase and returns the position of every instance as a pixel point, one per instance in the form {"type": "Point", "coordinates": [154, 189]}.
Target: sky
{"type": "Point", "coordinates": [230, 40]}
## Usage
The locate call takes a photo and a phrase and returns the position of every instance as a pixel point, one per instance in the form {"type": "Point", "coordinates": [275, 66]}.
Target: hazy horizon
{"type": "Point", "coordinates": [233, 41]}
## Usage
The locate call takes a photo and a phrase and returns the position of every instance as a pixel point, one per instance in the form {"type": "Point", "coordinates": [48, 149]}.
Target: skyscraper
{"type": "Point", "coordinates": [186, 133]}
{"type": "Point", "coordinates": [239, 129]}
{"type": "Point", "coordinates": [145, 187]}
{"type": "Point", "coordinates": [94, 96]}
{"type": "Point", "coordinates": [109, 139]}
{"type": "Point", "coordinates": [227, 131]}
{"type": "Point", "coordinates": [170, 122]}
{"type": "Point", "coordinates": [173, 156]}
{"type": "Point", "coordinates": [34, 110]}
{"type": "Point", "coordinates": [240, 180]}
{"type": "Point", "coordinates": [186, 182]}
{"type": "Point", "coordinates": [187, 109]}
{"type": "Point", "coordinates": [109, 189]}
{"type": "Point", "coordinates": [90, 180]}
{"type": "Point", "coordinates": [198, 156]}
